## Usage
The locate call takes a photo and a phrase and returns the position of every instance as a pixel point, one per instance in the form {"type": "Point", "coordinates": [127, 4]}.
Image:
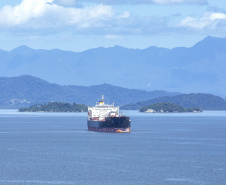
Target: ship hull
{"type": "Point", "coordinates": [110, 124]}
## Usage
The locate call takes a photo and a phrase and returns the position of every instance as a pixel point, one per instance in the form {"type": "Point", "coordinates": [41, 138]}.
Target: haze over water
{"type": "Point", "coordinates": [56, 148]}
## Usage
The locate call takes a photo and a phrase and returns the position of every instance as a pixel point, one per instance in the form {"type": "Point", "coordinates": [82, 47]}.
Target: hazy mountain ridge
{"type": "Point", "coordinates": [31, 90]}
{"type": "Point", "coordinates": [201, 68]}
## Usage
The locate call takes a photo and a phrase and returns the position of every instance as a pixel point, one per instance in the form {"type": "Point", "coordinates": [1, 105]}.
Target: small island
{"type": "Point", "coordinates": [56, 107]}
{"type": "Point", "coordinates": [166, 107]}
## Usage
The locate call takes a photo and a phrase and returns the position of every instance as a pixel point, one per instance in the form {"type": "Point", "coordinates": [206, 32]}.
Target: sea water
{"type": "Point", "coordinates": [166, 148]}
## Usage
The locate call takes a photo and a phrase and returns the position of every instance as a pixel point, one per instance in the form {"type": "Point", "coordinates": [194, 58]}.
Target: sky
{"type": "Point", "coordinates": [78, 25]}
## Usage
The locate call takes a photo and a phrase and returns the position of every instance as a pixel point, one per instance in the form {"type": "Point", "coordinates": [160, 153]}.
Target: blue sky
{"type": "Point", "coordinates": [78, 25]}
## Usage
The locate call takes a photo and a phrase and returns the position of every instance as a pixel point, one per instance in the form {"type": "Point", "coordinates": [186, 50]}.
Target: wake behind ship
{"type": "Point", "coordinates": [106, 118]}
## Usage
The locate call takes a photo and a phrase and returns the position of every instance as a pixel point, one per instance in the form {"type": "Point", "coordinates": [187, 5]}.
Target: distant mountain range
{"type": "Point", "coordinates": [23, 91]}
{"type": "Point", "coordinates": [203, 101]}
{"type": "Point", "coordinates": [198, 69]}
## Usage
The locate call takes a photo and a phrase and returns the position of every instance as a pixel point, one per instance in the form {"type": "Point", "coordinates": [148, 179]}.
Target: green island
{"type": "Point", "coordinates": [56, 107]}
{"type": "Point", "coordinates": [166, 107]}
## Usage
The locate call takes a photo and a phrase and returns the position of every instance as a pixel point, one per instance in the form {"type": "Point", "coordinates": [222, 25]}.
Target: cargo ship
{"type": "Point", "coordinates": [107, 118]}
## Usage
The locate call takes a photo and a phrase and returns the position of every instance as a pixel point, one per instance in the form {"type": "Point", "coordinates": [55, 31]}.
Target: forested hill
{"type": "Point", "coordinates": [23, 91]}
{"type": "Point", "coordinates": [204, 101]}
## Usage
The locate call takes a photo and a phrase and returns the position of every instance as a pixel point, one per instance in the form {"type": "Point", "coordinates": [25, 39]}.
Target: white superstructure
{"type": "Point", "coordinates": [102, 110]}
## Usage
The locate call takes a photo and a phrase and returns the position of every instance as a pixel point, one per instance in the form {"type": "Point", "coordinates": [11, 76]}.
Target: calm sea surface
{"type": "Point", "coordinates": [162, 149]}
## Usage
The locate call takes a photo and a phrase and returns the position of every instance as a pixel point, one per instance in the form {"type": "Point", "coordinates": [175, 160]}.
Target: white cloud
{"type": "Point", "coordinates": [112, 37]}
{"type": "Point", "coordinates": [45, 13]}
{"type": "Point", "coordinates": [217, 16]}
{"type": "Point", "coordinates": [27, 10]}
{"type": "Point", "coordinates": [199, 2]}
{"type": "Point", "coordinates": [44, 17]}
{"type": "Point", "coordinates": [124, 15]}
{"type": "Point", "coordinates": [209, 19]}
{"type": "Point", "coordinates": [66, 3]}
{"type": "Point", "coordinates": [180, 1]}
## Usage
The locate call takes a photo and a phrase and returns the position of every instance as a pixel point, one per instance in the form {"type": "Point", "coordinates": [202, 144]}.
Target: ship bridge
{"type": "Point", "coordinates": [102, 110]}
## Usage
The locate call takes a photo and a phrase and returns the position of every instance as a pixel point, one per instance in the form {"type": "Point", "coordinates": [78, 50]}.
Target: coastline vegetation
{"type": "Point", "coordinates": [56, 107]}
{"type": "Point", "coordinates": [166, 107]}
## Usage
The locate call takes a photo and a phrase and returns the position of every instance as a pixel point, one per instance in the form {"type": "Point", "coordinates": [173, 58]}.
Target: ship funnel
{"type": "Point", "coordinates": [102, 100]}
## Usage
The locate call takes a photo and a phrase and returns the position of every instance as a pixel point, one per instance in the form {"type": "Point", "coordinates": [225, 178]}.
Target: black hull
{"type": "Point", "coordinates": [111, 124]}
